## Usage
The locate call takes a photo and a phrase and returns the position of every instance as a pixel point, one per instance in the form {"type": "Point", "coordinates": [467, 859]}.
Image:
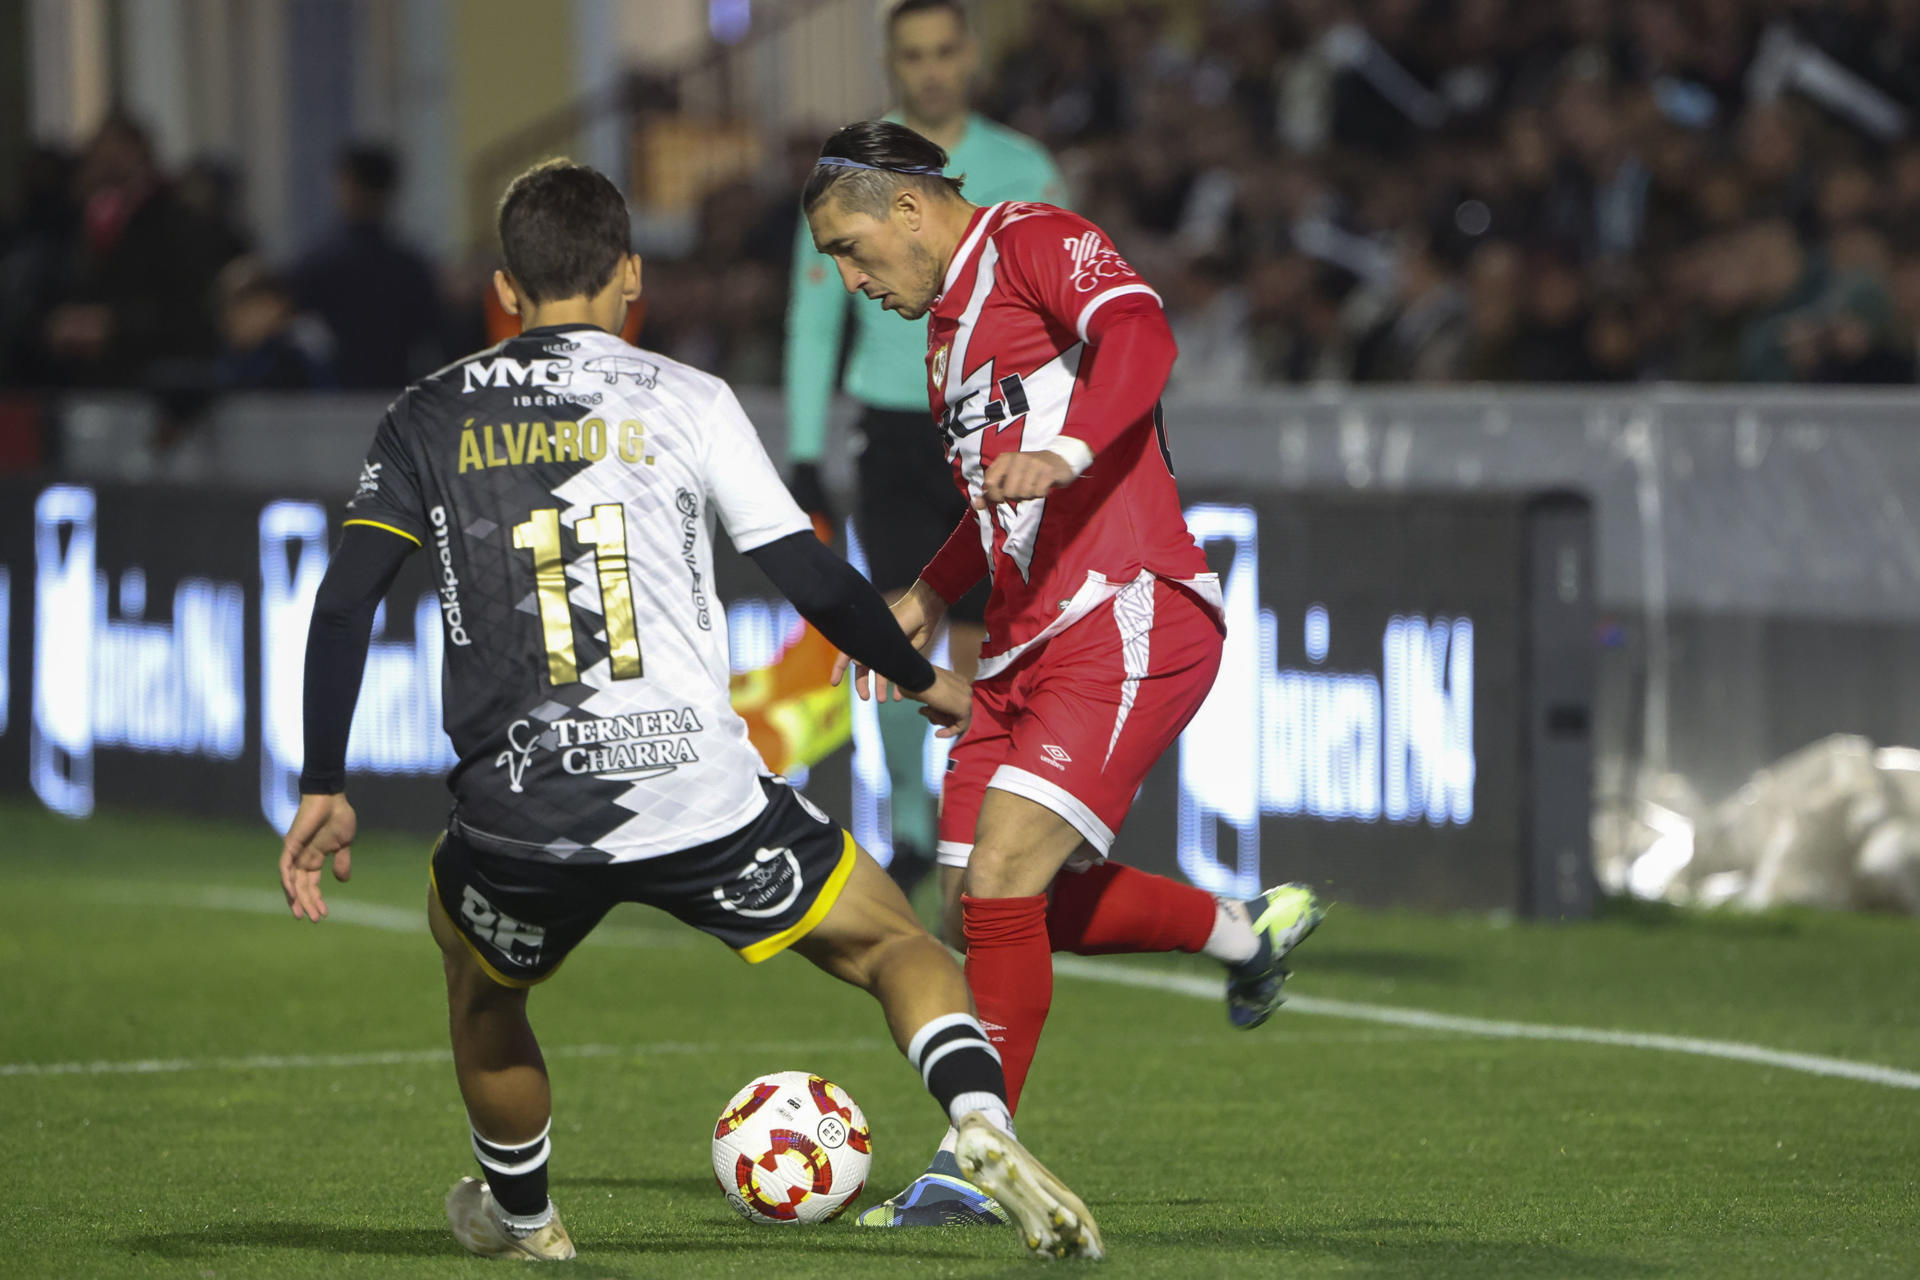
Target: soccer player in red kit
{"type": "Point", "coordinates": [1046, 357]}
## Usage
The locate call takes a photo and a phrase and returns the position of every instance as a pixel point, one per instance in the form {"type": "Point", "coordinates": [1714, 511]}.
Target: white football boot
{"type": "Point", "coordinates": [1051, 1219]}
{"type": "Point", "coordinates": [481, 1227]}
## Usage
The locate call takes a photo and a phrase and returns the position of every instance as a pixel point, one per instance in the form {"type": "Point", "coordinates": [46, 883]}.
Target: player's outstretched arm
{"type": "Point", "coordinates": [357, 578]}
{"type": "Point", "coordinates": [842, 606]}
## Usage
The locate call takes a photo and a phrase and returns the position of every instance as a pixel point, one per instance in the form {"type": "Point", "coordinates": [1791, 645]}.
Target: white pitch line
{"type": "Point", "coordinates": [1731, 1050]}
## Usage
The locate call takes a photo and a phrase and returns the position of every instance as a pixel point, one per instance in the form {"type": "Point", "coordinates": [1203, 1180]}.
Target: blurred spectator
{"type": "Point", "coordinates": [1424, 338]}
{"type": "Point", "coordinates": [211, 188]}
{"type": "Point", "coordinates": [1210, 325]}
{"type": "Point", "coordinates": [1493, 313]}
{"type": "Point", "coordinates": [375, 294]}
{"type": "Point", "coordinates": [134, 301]}
{"type": "Point", "coordinates": [35, 246]}
{"type": "Point", "coordinates": [1061, 83]}
{"type": "Point", "coordinates": [1770, 151]}
{"type": "Point", "coordinates": [1776, 343]}
{"type": "Point", "coordinates": [263, 350]}
{"type": "Point", "coordinates": [1552, 344]}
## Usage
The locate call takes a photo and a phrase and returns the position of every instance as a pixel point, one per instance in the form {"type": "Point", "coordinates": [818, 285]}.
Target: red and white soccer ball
{"type": "Point", "coordinates": [791, 1147]}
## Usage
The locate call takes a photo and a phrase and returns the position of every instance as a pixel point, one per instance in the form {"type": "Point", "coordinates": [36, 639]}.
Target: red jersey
{"type": "Point", "coordinates": [1011, 368]}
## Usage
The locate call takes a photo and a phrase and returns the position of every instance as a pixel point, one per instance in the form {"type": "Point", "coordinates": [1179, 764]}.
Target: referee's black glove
{"type": "Point", "coordinates": [805, 485]}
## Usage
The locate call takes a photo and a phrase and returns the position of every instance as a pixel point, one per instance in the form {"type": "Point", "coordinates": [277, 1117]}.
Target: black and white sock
{"type": "Point", "coordinates": [961, 1068]}
{"type": "Point", "coordinates": [517, 1176]}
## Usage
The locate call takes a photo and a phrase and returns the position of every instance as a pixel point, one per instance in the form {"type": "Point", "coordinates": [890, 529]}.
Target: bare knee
{"type": "Point", "coordinates": [996, 871]}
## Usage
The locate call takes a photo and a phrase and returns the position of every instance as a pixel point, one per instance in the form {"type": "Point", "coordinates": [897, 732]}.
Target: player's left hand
{"type": "Point", "coordinates": [1015, 477]}
{"type": "Point", "coordinates": [323, 827]}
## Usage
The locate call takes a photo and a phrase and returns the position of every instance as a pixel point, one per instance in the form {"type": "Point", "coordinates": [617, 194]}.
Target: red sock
{"type": "Point", "coordinates": [1114, 910]}
{"type": "Point", "coordinates": [1010, 968]}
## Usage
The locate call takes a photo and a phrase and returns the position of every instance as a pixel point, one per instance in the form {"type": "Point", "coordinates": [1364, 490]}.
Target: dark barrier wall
{"type": "Point", "coordinates": [1403, 712]}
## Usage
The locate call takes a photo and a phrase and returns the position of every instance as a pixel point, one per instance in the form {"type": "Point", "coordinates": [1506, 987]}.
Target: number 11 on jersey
{"type": "Point", "coordinates": [606, 531]}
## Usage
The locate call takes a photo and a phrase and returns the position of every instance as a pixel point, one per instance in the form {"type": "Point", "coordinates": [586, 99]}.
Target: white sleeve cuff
{"type": "Point", "coordinates": [1101, 300]}
{"type": "Point", "coordinates": [1072, 452]}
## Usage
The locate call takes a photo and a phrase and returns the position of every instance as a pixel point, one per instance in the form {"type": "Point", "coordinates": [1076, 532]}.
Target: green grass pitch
{"type": "Point", "coordinates": [297, 1116]}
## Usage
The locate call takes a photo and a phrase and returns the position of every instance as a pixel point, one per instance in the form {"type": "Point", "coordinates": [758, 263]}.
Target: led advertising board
{"type": "Point", "coordinates": [1382, 724]}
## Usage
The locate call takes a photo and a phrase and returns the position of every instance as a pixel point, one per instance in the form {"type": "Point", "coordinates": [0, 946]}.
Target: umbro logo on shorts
{"type": "Point", "coordinates": [1057, 757]}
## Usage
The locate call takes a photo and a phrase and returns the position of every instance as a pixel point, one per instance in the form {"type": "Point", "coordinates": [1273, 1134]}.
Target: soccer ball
{"type": "Point", "coordinates": [791, 1147]}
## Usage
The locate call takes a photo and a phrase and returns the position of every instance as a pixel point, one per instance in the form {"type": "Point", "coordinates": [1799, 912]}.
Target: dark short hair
{"type": "Point", "coordinates": [891, 150]}
{"type": "Point", "coordinates": [371, 167]}
{"type": "Point", "coordinates": [563, 230]}
{"type": "Point", "coordinates": [907, 8]}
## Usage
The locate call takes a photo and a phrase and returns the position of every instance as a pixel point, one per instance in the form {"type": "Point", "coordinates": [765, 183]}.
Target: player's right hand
{"type": "Point", "coordinates": [947, 702]}
{"type": "Point", "coordinates": [918, 611]}
{"type": "Point", "coordinates": [323, 827]}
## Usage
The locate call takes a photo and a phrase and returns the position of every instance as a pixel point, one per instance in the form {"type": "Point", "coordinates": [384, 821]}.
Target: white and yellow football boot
{"type": "Point", "coordinates": [1052, 1221]}
{"type": "Point", "coordinates": [481, 1227]}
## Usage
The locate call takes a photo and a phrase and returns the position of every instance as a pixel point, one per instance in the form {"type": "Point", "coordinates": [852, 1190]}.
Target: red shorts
{"type": "Point", "coordinates": [1076, 725]}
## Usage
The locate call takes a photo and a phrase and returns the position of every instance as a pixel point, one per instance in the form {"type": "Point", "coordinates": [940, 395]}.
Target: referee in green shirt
{"type": "Point", "coordinates": [907, 504]}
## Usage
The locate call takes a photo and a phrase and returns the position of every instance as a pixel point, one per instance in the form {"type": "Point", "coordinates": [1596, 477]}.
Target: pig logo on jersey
{"type": "Point", "coordinates": [1093, 261]}
{"type": "Point", "coordinates": [764, 887]}
{"type": "Point", "coordinates": [614, 368]}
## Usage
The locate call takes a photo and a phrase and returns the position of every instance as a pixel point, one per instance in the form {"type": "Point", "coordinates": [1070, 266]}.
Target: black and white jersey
{"type": "Point", "coordinates": [565, 485]}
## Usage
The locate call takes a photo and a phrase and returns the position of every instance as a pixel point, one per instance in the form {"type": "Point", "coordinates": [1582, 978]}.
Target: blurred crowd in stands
{"type": "Point", "coordinates": [1510, 190]}
{"type": "Point", "coordinates": [1322, 190]}
{"type": "Point", "coordinates": [115, 275]}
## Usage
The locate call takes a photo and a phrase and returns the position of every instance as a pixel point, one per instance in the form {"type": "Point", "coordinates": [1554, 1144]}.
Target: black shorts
{"type": "Point", "coordinates": [907, 504]}
{"type": "Point", "coordinates": [758, 890]}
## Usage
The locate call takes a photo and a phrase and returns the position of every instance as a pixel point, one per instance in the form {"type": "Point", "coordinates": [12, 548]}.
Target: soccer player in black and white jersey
{"type": "Point", "coordinates": [564, 485]}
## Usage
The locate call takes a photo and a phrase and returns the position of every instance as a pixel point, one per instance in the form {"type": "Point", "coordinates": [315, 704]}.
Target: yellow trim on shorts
{"type": "Point", "coordinates": [767, 948]}
{"type": "Point", "coordinates": [518, 984]}
{"type": "Point", "coordinates": [389, 528]}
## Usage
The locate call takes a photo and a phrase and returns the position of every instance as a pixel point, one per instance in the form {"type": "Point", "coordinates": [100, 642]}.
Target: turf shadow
{"type": "Point", "coordinates": [391, 1242]}
{"type": "Point", "coordinates": [691, 1186]}
{"type": "Point", "coordinates": [780, 1245]}
{"type": "Point", "coordinates": [1784, 922]}
{"type": "Point", "coordinates": [1404, 1247]}
{"type": "Point", "coordinates": [1374, 963]}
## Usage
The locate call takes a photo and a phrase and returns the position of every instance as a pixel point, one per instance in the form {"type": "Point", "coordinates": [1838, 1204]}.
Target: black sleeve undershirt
{"type": "Point", "coordinates": [843, 607]}
{"type": "Point", "coordinates": [362, 569]}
